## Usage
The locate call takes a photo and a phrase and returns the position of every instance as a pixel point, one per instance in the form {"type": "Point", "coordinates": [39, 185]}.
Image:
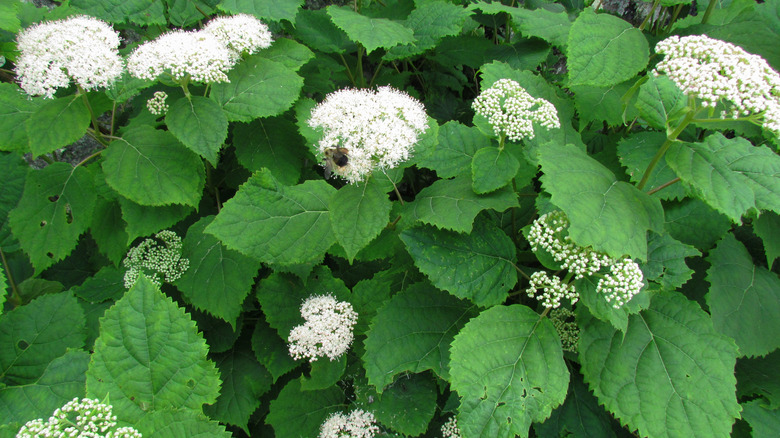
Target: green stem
{"type": "Point", "coordinates": [89, 158]}
{"type": "Point", "coordinates": [359, 68]}
{"type": "Point", "coordinates": [376, 72]}
{"type": "Point", "coordinates": [663, 186]}
{"type": "Point", "coordinates": [397, 193]}
{"type": "Point", "coordinates": [95, 126]}
{"type": "Point", "coordinates": [349, 70]}
{"type": "Point", "coordinates": [675, 14]}
{"type": "Point", "coordinates": [708, 12]}
{"type": "Point", "coordinates": [526, 276]}
{"type": "Point", "coordinates": [16, 299]}
{"type": "Point", "coordinates": [649, 15]}
{"type": "Point", "coordinates": [671, 138]}
{"type": "Point", "coordinates": [501, 141]}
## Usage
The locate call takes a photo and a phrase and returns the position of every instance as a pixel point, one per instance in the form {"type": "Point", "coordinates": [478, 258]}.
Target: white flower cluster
{"type": "Point", "coordinates": [378, 128]}
{"type": "Point", "coordinates": [156, 104]}
{"type": "Point", "coordinates": [358, 424]}
{"type": "Point", "coordinates": [205, 56]}
{"type": "Point", "coordinates": [624, 280]}
{"type": "Point", "coordinates": [83, 419]}
{"type": "Point", "coordinates": [450, 428]}
{"type": "Point", "coordinates": [553, 289]}
{"type": "Point", "coordinates": [327, 330]}
{"type": "Point", "coordinates": [714, 70]}
{"type": "Point", "coordinates": [568, 331]}
{"type": "Point", "coordinates": [81, 48]}
{"type": "Point", "coordinates": [160, 259]}
{"type": "Point", "coordinates": [512, 111]}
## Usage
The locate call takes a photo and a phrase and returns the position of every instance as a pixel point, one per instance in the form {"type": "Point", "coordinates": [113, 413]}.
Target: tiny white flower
{"type": "Point", "coordinates": [450, 428]}
{"type": "Point", "coordinates": [79, 418]}
{"type": "Point", "coordinates": [624, 280]}
{"type": "Point", "coordinates": [242, 33]}
{"type": "Point", "coordinates": [327, 330]}
{"type": "Point", "coordinates": [159, 259]}
{"type": "Point", "coordinates": [358, 424]}
{"type": "Point", "coordinates": [553, 289]}
{"type": "Point", "coordinates": [156, 104]}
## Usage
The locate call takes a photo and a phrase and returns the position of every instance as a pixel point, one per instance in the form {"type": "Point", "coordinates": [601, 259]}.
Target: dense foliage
{"type": "Point", "coordinates": [169, 243]}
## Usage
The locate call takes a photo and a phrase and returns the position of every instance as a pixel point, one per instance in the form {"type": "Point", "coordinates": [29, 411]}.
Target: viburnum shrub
{"type": "Point", "coordinates": [435, 218]}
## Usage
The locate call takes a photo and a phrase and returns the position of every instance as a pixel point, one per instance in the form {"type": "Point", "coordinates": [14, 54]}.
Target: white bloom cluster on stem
{"type": "Point", "coordinates": [156, 104]}
{"type": "Point", "coordinates": [327, 330]}
{"type": "Point", "coordinates": [624, 280]}
{"type": "Point", "coordinates": [713, 71]}
{"type": "Point", "coordinates": [242, 33]}
{"type": "Point", "coordinates": [450, 428]}
{"type": "Point", "coordinates": [553, 289]}
{"type": "Point", "coordinates": [87, 418]}
{"type": "Point", "coordinates": [358, 424]}
{"type": "Point", "coordinates": [510, 110]}
{"type": "Point", "coordinates": [378, 128]}
{"type": "Point", "coordinates": [160, 260]}
{"type": "Point", "coordinates": [80, 48]}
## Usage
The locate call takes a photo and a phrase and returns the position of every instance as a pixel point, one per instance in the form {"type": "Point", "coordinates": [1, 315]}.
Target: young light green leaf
{"type": "Point", "coordinates": [415, 396]}
{"type": "Point", "coordinates": [274, 10]}
{"type": "Point", "coordinates": [271, 351]}
{"type": "Point", "coordinates": [200, 124]}
{"type": "Point", "coordinates": [427, 321]}
{"type": "Point", "coordinates": [358, 213]}
{"type": "Point", "coordinates": [14, 170]}
{"type": "Point", "coordinates": [430, 22]}
{"type": "Point", "coordinates": [477, 266]}
{"type": "Point", "coordinates": [316, 30]}
{"type": "Point", "coordinates": [144, 220]}
{"type": "Point", "coordinates": [731, 175]}
{"type": "Point", "coordinates": [604, 50]}
{"type": "Point", "coordinates": [759, 377]}
{"type": "Point", "coordinates": [744, 299]}
{"type": "Point", "coordinates": [767, 227]}
{"type": "Point", "coordinates": [258, 87]}
{"type": "Point", "coordinates": [457, 145]}
{"type": "Point", "coordinates": [273, 143]}
{"type": "Point", "coordinates": [218, 278]}
{"type": "Point", "coordinates": [57, 123]}
{"type": "Point", "coordinates": [150, 167]}
{"type": "Point", "coordinates": [636, 151]}
{"type": "Point", "coordinates": [173, 423]}
{"type": "Point", "coordinates": [695, 223]}
{"type": "Point", "coordinates": [299, 413]}
{"type": "Point", "coordinates": [666, 261]}
{"type": "Point", "coordinates": [507, 366]}
{"type": "Point", "coordinates": [610, 215]}
{"type": "Point", "coordinates": [150, 357]}
{"type": "Point", "coordinates": [288, 52]}
{"type": "Point", "coordinates": [274, 223]}
{"type": "Point", "coordinates": [668, 374]}
{"type": "Point", "coordinates": [56, 207]}
{"type": "Point", "coordinates": [453, 205]}
{"type": "Point", "coordinates": [492, 169]}
{"type": "Point", "coordinates": [33, 335]}
{"type": "Point", "coordinates": [15, 109]}
{"type": "Point", "coordinates": [142, 12]}
{"type": "Point", "coordinates": [372, 33]}
{"type": "Point", "coordinates": [660, 102]}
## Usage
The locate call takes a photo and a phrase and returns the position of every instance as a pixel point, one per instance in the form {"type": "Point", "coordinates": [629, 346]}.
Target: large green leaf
{"type": "Point", "coordinates": [610, 215]}
{"type": "Point", "coordinates": [507, 366]}
{"type": "Point", "coordinates": [604, 50]}
{"type": "Point", "coordinates": [669, 374]}
{"type": "Point", "coordinates": [288, 52]}
{"type": "Point", "coordinates": [150, 167]}
{"type": "Point", "coordinates": [57, 123]}
{"type": "Point", "coordinates": [550, 26]}
{"type": "Point", "coordinates": [273, 143]}
{"type": "Point", "coordinates": [150, 357]}
{"type": "Point", "coordinates": [275, 223]}
{"type": "Point", "coordinates": [143, 12]}
{"type": "Point", "coordinates": [173, 423]}
{"type": "Point", "coordinates": [108, 229]}
{"type": "Point", "coordinates": [218, 278]}
{"type": "Point", "coordinates": [744, 299]}
{"type": "Point", "coordinates": [358, 213]}
{"type": "Point", "coordinates": [457, 145]}
{"type": "Point", "coordinates": [660, 102]}
{"type": "Point", "coordinates": [316, 30]}
{"type": "Point", "coordinates": [271, 350]}
{"type": "Point", "coordinates": [183, 13]}
{"type": "Point", "coordinates": [767, 227]}
{"type": "Point", "coordinates": [453, 205]}
{"type": "Point", "coordinates": [430, 21]}
{"type": "Point", "coordinates": [15, 109]}
{"type": "Point", "coordinates": [729, 174]}
{"type": "Point", "coordinates": [200, 124]}
{"type": "Point", "coordinates": [666, 261]}
{"type": "Point", "coordinates": [56, 207]}
{"type": "Point", "coordinates": [258, 87]}
{"type": "Point", "coordinates": [274, 10]}
{"type": "Point", "coordinates": [605, 104]}
{"type": "Point", "coordinates": [412, 332]}
{"type": "Point", "coordinates": [31, 336]}
{"type": "Point", "coordinates": [477, 266]}
{"type": "Point", "coordinates": [636, 151]}
{"type": "Point", "coordinates": [296, 413]}
{"type": "Point", "coordinates": [14, 170]}
{"type": "Point", "coordinates": [372, 33]}
{"type": "Point", "coordinates": [492, 168]}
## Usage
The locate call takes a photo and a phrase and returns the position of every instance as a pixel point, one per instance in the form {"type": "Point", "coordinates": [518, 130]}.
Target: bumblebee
{"type": "Point", "coordinates": [335, 157]}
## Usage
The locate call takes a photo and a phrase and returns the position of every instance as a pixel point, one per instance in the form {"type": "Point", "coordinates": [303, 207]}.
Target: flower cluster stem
{"type": "Point", "coordinates": [15, 298]}
{"type": "Point", "coordinates": [670, 139]}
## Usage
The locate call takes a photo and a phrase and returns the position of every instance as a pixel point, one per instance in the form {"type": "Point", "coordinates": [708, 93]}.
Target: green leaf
{"type": "Point", "coordinates": [150, 167]}
{"type": "Point", "coordinates": [660, 102]}
{"type": "Point", "coordinates": [106, 284]}
{"type": "Point", "coordinates": [142, 12]}
{"type": "Point", "coordinates": [695, 223]}
{"type": "Point", "coordinates": [200, 124]}
{"type": "Point", "coordinates": [666, 261]}
{"type": "Point", "coordinates": [288, 52]}
{"type": "Point", "coordinates": [144, 220]}
{"type": "Point", "coordinates": [596, 104]}
{"type": "Point", "coordinates": [271, 350]}
{"type": "Point", "coordinates": [15, 109]}
{"type": "Point", "coordinates": [184, 13]}
{"type": "Point", "coordinates": [492, 169]}
{"type": "Point", "coordinates": [744, 299]}
{"type": "Point", "coordinates": [61, 380]}
{"type": "Point", "coordinates": [108, 230]}
{"type": "Point", "coordinates": [8, 17]}
{"type": "Point", "coordinates": [150, 357]}
{"type": "Point", "coordinates": [126, 87]}
{"type": "Point", "coordinates": [56, 207]}
{"type": "Point", "coordinates": [759, 377]}
{"type": "Point", "coordinates": [453, 205]}
{"type": "Point", "coordinates": [731, 175]}
{"type": "Point", "coordinates": [257, 88]}
{"type": "Point", "coordinates": [296, 413]}
{"type": "Point", "coordinates": [610, 215]}
{"type": "Point", "coordinates": [460, 50]}
{"type": "Point", "coordinates": [550, 26]}
{"type": "Point", "coordinates": [636, 151]}
{"type": "Point", "coordinates": [507, 366]}
{"type": "Point", "coordinates": [604, 50]}
{"type": "Point", "coordinates": [273, 143]}
{"type": "Point", "coordinates": [372, 33]}
{"type": "Point", "coordinates": [274, 10]}
{"type": "Point", "coordinates": [669, 374]}
{"type": "Point", "coordinates": [14, 170]}
{"type": "Point", "coordinates": [180, 424]}
{"type": "Point", "coordinates": [599, 307]}
{"type": "Point", "coordinates": [33, 335]}
{"type": "Point", "coordinates": [358, 213]}
{"type": "Point", "coordinates": [477, 266]}
{"type": "Point", "coordinates": [412, 332]}
{"type": "Point", "coordinates": [218, 278]}
{"type": "Point", "coordinates": [457, 145]}
{"type": "Point", "coordinates": [430, 22]}
{"type": "Point", "coordinates": [57, 123]}
{"type": "Point", "coordinates": [413, 395]}
{"type": "Point", "coordinates": [764, 422]}
{"type": "Point", "coordinates": [274, 223]}
{"type": "Point", "coordinates": [324, 374]}
{"type": "Point", "coordinates": [767, 227]}
{"type": "Point", "coordinates": [316, 30]}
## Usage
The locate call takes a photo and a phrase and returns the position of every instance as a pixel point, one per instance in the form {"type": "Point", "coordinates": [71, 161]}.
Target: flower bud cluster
{"type": "Point", "coordinates": [568, 331]}
{"type": "Point", "coordinates": [358, 424]}
{"type": "Point", "coordinates": [80, 48]}
{"type": "Point", "coordinates": [327, 330]}
{"type": "Point", "coordinates": [450, 428]}
{"type": "Point", "coordinates": [160, 260]}
{"type": "Point", "coordinates": [624, 280]}
{"type": "Point", "coordinates": [156, 104]}
{"type": "Point", "coordinates": [510, 110]}
{"type": "Point", "coordinates": [714, 71]}
{"type": "Point", "coordinates": [86, 419]}
{"type": "Point", "coordinates": [378, 128]}
{"type": "Point", "coordinates": [553, 289]}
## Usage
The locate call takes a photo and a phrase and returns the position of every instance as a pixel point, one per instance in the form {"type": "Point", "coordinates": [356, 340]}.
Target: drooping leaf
{"type": "Point", "coordinates": [597, 104]}
{"type": "Point", "coordinates": [142, 12]}
{"type": "Point", "coordinates": [610, 215]}
{"type": "Point", "coordinates": [15, 109]}
{"type": "Point", "coordinates": [271, 350]}
{"type": "Point", "coordinates": [372, 33]}
{"type": "Point", "coordinates": [636, 151]}
{"type": "Point", "coordinates": [660, 102]}
{"type": "Point", "coordinates": [759, 376]}
{"type": "Point", "coordinates": [457, 145]}
{"type": "Point", "coordinates": [764, 422]}
{"type": "Point", "coordinates": [358, 213]}
{"type": "Point", "coordinates": [274, 223]}
{"type": "Point", "coordinates": [56, 123]}
{"type": "Point", "coordinates": [744, 299]}
{"type": "Point", "coordinates": [666, 261]}
{"type": "Point", "coordinates": [299, 413]}
{"type": "Point", "coordinates": [109, 230]}
{"type": "Point", "coordinates": [767, 227]}
{"type": "Point", "coordinates": [507, 366]}
{"type": "Point", "coordinates": [56, 207]}
{"type": "Point", "coordinates": [150, 167]}
{"type": "Point", "coordinates": [218, 278]}
{"type": "Point", "coordinates": [476, 266]}
{"type": "Point", "coordinates": [14, 170]}
{"type": "Point", "coordinates": [172, 423]}
{"type": "Point", "coordinates": [695, 223]}
{"type": "Point", "coordinates": [668, 374]}
{"type": "Point", "coordinates": [430, 22]}
{"type": "Point", "coordinates": [274, 10]}
{"type": "Point", "coordinates": [106, 284]}
{"type": "Point", "coordinates": [200, 124]}
{"type": "Point", "coordinates": [150, 357]}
